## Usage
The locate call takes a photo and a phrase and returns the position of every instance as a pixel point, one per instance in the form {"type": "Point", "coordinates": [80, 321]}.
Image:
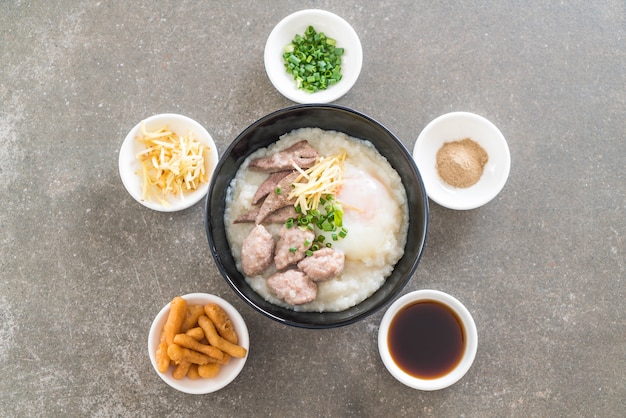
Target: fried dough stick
{"type": "Point", "coordinates": [216, 341]}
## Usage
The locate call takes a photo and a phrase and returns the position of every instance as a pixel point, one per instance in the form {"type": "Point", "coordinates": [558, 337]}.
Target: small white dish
{"type": "Point", "coordinates": [332, 26]}
{"type": "Point", "coordinates": [227, 373]}
{"type": "Point", "coordinates": [456, 126]}
{"type": "Point", "coordinates": [471, 340]}
{"type": "Point", "coordinates": [130, 166]}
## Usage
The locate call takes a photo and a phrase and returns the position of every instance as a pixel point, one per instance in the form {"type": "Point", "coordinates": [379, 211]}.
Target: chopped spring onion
{"type": "Point", "coordinates": [313, 60]}
{"type": "Point", "coordinates": [328, 219]}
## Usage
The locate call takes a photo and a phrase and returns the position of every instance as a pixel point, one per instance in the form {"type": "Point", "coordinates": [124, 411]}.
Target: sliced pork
{"type": "Point", "coordinates": [301, 153]}
{"type": "Point", "coordinates": [270, 184]}
{"type": "Point", "coordinates": [278, 216]}
{"type": "Point", "coordinates": [247, 217]}
{"type": "Point", "coordinates": [277, 198]}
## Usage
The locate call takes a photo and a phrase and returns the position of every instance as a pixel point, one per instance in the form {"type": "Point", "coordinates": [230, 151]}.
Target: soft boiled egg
{"type": "Point", "coordinates": [371, 216]}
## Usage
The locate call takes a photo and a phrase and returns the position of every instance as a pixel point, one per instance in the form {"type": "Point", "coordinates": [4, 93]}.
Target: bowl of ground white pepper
{"type": "Point", "coordinates": [464, 160]}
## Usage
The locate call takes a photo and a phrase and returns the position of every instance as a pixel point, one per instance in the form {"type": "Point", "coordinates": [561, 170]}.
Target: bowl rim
{"type": "Point", "coordinates": [232, 370]}
{"type": "Point", "coordinates": [359, 314]}
{"type": "Point", "coordinates": [128, 166]}
{"type": "Point", "coordinates": [340, 28]}
{"type": "Point", "coordinates": [496, 171]}
{"type": "Point", "coordinates": [471, 335]}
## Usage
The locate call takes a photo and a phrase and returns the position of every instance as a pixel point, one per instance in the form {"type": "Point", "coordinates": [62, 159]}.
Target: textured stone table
{"type": "Point", "coordinates": [84, 268]}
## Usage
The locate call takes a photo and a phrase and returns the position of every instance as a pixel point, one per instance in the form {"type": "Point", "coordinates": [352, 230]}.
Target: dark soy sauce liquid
{"type": "Point", "coordinates": [426, 339]}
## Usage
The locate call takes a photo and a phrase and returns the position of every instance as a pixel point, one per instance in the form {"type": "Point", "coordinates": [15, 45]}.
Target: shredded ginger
{"type": "Point", "coordinates": [324, 178]}
{"type": "Point", "coordinates": [171, 164]}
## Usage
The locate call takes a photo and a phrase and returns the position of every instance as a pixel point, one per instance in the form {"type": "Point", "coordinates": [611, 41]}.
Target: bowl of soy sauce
{"type": "Point", "coordinates": [427, 340]}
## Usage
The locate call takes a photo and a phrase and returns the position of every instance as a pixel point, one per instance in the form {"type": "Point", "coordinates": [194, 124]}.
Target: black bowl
{"type": "Point", "coordinates": [327, 117]}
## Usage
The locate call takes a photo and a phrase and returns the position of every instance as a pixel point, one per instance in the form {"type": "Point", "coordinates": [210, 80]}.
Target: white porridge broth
{"type": "Point", "coordinates": [375, 216]}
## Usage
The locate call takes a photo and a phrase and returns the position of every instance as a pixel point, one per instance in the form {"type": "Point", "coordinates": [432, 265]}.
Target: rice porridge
{"type": "Point", "coordinates": [375, 215]}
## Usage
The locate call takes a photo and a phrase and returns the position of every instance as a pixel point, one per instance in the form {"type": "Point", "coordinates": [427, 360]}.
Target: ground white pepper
{"type": "Point", "coordinates": [461, 163]}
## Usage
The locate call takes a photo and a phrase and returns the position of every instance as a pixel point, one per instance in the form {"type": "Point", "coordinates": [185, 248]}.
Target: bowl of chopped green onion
{"type": "Point", "coordinates": [313, 56]}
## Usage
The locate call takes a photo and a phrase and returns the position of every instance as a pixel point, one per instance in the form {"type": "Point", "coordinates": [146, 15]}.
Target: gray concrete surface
{"type": "Point", "coordinates": [84, 268]}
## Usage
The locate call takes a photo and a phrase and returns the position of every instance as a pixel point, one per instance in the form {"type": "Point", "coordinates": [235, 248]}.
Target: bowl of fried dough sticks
{"type": "Point", "coordinates": [198, 343]}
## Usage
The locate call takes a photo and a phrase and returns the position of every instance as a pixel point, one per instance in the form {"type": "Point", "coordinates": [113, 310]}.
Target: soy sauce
{"type": "Point", "coordinates": [426, 339]}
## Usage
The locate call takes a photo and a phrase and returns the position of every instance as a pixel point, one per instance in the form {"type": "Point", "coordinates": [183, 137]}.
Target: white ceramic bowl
{"type": "Point", "coordinates": [332, 26]}
{"type": "Point", "coordinates": [456, 126]}
{"type": "Point", "coordinates": [471, 340]}
{"type": "Point", "coordinates": [227, 373]}
{"type": "Point", "coordinates": [130, 167]}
